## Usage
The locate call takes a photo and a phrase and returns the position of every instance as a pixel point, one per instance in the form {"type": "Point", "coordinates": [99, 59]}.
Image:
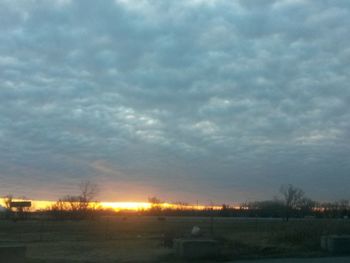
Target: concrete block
{"type": "Point", "coordinates": [336, 244]}
{"type": "Point", "coordinates": [13, 254]}
{"type": "Point", "coordinates": [339, 244]}
{"type": "Point", "coordinates": [196, 248]}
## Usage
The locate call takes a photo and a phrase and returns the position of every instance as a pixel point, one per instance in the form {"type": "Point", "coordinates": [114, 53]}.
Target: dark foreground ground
{"type": "Point", "coordinates": [301, 260]}
{"type": "Point", "coordinates": [141, 238]}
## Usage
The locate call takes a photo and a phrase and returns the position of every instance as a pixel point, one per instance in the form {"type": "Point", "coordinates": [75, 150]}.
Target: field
{"type": "Point", "coordinates": [141, 238]}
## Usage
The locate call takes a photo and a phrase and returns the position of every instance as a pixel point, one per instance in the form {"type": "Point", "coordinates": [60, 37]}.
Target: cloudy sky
{"type": "Point", "coordinates": [186, 100]}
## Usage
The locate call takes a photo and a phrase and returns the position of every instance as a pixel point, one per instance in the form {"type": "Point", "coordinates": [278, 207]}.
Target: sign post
{"type": "Point", "coordinates": [20, 208]}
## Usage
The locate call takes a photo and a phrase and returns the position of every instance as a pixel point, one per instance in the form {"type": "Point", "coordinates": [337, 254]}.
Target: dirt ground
{"type": "Point", "coordinates": [141, 238]}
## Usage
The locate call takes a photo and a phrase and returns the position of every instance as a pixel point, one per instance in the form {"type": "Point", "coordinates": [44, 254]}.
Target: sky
{"type": "Point", "coordinates": [208, 100]}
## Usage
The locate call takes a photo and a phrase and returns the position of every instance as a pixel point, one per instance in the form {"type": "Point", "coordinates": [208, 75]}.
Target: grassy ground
{"type": "Point", "coordinates": [139, 239]}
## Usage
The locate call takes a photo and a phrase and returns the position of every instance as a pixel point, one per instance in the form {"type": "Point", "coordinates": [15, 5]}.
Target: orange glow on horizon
{"type": "Point", "coordinates": [119, 206]}
{"type": "Point", "coordinates": [134, 206]}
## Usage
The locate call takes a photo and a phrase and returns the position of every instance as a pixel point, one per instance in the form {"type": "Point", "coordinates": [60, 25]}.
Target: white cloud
{"type": "Point", "coordinates": [243, 89]}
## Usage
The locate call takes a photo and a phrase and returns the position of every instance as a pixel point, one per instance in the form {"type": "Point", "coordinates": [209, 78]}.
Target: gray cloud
{"type": "Point", "coordinates": [185, 98]}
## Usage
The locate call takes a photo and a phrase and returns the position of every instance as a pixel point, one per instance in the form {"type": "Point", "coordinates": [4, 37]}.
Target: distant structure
{"type": "Point", "coordinates": [21, 208]}
{"type": "Point", "coordinates": [20, 205]}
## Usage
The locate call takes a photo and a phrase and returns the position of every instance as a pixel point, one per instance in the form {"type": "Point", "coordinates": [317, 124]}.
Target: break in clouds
{"type": "Point", "coordinates": [209, 100]}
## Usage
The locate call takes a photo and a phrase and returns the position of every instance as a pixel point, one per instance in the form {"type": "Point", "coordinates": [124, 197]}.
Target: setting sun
{"type": "Point", "coordinates": [117, 206]}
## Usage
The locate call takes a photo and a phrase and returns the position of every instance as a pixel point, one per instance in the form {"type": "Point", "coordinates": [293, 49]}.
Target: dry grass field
{"type": "Point", "coordinates": [140, 238]}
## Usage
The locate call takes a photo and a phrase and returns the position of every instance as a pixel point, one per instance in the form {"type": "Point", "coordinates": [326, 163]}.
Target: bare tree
{"type": "Point", "coordinates": [77, 206]}
{"type": "Point", "coordinates": [306, 206]}
{"type": "Point", "coordinates": [180, 205]}
{"type": "Point", "coordinates": [88, 192]}
{"type": "Point", "coordinates": [292, 196]}
{"type": "Point", "coordinates": [7, 202]}
{"type": "Point", "coordinates": [154, 200]}
{"type": "Point", "coordinates": [156, 205]}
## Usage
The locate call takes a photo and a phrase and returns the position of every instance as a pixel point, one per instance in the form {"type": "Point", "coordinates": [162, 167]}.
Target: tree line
{"type": "Point", "coordinates": [291, 203]}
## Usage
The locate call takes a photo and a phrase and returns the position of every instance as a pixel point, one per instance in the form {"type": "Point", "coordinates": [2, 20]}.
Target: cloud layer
{"type": "Point", "coordinates": [210, 100]}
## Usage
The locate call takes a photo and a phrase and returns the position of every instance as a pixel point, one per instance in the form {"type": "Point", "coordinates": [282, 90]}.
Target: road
{"type": "Point", "coordinates": [300, 260]}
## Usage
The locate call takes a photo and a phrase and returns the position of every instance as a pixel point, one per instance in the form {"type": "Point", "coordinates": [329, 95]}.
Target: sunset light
{"type": "Point", "coordinates": [174, 131]}
{"type": "Point", "coordinates": [134, 206]}
{"type": "Point", "coordinates": [120, 206]}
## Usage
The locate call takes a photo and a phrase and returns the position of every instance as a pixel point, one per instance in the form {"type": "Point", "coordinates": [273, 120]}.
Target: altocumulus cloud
{"type": "Point", "coordinates": [209, 100]}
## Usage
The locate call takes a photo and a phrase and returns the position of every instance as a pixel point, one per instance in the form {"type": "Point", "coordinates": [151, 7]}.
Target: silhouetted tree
{"type": "Point", "coordinates": [306, 206]}
{"type": "Point", "coordinates": [292, 196]}
{"type": "Point", "coordinates": [225, 210]}
{"type": "Point", "coordinates": [154, 200]}
{"type": "Point", "coordinates": [156, 206]}
{"type": "Point", "coordinates": [80, 206]}
{"type": "Point", "coordinates": [343, 206]}
{"type": "Point", "coordinates": [340, 208]}
{"type": "Point", "coordinates": [88, 192]}
{"type": "Point", "coordinates": [268, 208]}
{"type": "Point", "coordinates": [7, 202]}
